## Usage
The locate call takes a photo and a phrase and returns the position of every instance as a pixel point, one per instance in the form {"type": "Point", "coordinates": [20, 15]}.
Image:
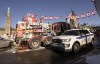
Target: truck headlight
{"type": "Point", "coordinates": [66, 40]}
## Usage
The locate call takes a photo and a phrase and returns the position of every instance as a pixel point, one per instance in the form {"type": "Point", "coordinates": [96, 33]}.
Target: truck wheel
{"type": "Point", "coordinates": [76, 48]}
{"type": "Point", "coordinates": [35, 43]}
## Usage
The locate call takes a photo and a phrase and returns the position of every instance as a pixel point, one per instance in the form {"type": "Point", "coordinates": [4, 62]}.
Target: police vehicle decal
{"type": "Point", "coordinates": [84, 36]}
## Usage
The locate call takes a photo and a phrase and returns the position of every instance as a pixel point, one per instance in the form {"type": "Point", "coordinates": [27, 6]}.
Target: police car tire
{"type": "Point", "coordinates": [45, 42]}
{"type": "Point", "coordinates": [91, 44]}
{"type": "Point", "coordinates": [75, 48]}
{"type": "Point", "coordinates": [34, 44]}
{"type": "Point", "coordinates": [10, 44]}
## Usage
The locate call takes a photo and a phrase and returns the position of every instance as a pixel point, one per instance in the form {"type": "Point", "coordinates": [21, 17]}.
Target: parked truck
{"type": "Point", "coordinates": [59, 27]}
{"type": "Point", "coordinates": [33, 37]}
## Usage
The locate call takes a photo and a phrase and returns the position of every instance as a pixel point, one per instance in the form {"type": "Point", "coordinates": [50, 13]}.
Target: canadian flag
{"type": "Point", "coordinates": [88, 14]}
{"type": "Point", "coordinates": [24, 18]}
{"type": "Point", "coordinates": [34, 19]}
{"type": "Point", "coordinates": [21, 24]}
{"type": "Point", "coordinates": [46, 17]}
{"type": "Point", "coordinates": [93, 12]}
{"type": "Point", "coordinates": [30, 19]}
{"type": "Point", "coordinates": [82, 15]}
{"type": "Point", "coordinates": [50, 17]}
{"type": "Point", "coordinates": [55, 17]}
{"type": "Point", "coordinates": [66, 17]}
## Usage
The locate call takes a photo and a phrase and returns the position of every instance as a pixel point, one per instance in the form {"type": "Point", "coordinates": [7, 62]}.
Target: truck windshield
{"type": "Point", "coordinates": [72, 32]}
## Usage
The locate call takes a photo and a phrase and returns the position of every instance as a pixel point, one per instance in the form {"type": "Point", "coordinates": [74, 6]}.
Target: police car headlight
{"type": "Point", "coordinates": [67, 45]}
{"type": "Point", "coordinates": [66, 40]}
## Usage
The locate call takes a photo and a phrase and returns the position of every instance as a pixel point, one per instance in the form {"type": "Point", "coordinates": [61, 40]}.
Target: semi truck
{"type": "Point", "coordinates": [33, 37]}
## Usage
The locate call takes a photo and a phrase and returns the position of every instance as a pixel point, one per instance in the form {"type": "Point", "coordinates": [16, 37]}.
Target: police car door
{"type": "Point", "coordinates": [83, 37]}
{"type": "Point", "coordinates": [88, 36]}
{"type": "Point", "coordinates": [2, 43]}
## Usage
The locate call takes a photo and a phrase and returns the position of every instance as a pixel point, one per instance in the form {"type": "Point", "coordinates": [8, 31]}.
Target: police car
{"type": "Point", "coordinates": [73, 40]}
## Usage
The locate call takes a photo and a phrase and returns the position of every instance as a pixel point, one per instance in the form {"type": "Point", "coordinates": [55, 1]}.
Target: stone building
{"type": "Point", "coordinates": [7, 27]}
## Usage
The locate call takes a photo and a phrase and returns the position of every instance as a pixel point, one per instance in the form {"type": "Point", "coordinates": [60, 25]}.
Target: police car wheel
{"type": "Point", "coordinates": [10, 44]}
{"type": "Point", "coordinates": [47, 42]}
{"type": "Point", "coordinates": [91, 44]}
{"type": "Point", "coordinates": [76, 48]}
{"type": "Point", "coordinates": [35, 43]}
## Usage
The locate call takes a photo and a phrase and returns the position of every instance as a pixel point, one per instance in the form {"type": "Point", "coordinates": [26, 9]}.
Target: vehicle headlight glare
{"type": "Point", "coordinates": [67, 45]}
{"type": "Point", "coordinates": [66, 40]}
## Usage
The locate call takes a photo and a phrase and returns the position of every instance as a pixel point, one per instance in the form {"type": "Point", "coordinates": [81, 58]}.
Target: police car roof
{"type": "Point", "coordinates": [77, 29]}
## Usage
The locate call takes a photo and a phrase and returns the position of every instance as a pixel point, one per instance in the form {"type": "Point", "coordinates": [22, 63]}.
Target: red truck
{"type": "Point", "coordinates": [36, 41]}
{"type": "Point", "coordinates": [33, 37]}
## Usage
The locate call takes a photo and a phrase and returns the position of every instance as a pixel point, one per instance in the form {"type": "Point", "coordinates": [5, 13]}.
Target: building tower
{"type": "Point", "coordinates": [8, 22]}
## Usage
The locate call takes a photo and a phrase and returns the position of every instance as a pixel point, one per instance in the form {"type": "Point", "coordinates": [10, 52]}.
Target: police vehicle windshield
{"type": "Point", "coordinates": [72, 32]}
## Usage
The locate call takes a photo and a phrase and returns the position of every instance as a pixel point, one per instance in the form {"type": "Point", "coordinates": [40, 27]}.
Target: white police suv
{"type": "Point", "coordinates": [72, 40]}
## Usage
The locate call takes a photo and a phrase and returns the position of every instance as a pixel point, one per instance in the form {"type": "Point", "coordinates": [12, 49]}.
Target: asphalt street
{"type": "Point", "coordinates": [87, 55]}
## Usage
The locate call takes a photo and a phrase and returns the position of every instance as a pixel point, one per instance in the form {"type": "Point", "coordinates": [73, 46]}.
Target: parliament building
{"type": "Point", "coordinates": [7, 27]}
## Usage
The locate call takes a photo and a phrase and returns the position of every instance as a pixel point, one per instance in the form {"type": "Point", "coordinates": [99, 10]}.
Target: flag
{"type": "Point", "coordinates": [34, 19]}
{"type": "Point", "coordinates": [24, 18]}
{"type": "Point", "coordinates": [93, 12]}
{"type": "Point", "coordinates": [45, 17]}
{"type": "Point", "coordinates": [88, 14]}
{"type": "Point", "coordinates": [66, 17]}
{"type": "Point", "coordinates": [50, 17]}
{"type": "Point", "coordinates": [30, 19]}
{"type": "Point", "coordinates": [21, 25]}
{"type": "Point", "coordinates": [82, 15]}
{"type": "Point", "coordinates": [55, 17]}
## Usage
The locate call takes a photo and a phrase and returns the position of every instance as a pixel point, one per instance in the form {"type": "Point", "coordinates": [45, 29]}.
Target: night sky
{"type": "Point", "coordinates": [47, 8]}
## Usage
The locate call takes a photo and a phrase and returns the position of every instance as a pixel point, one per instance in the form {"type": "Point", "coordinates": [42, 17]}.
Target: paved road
{"type": "Point", "coordinates": [88, 55]}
